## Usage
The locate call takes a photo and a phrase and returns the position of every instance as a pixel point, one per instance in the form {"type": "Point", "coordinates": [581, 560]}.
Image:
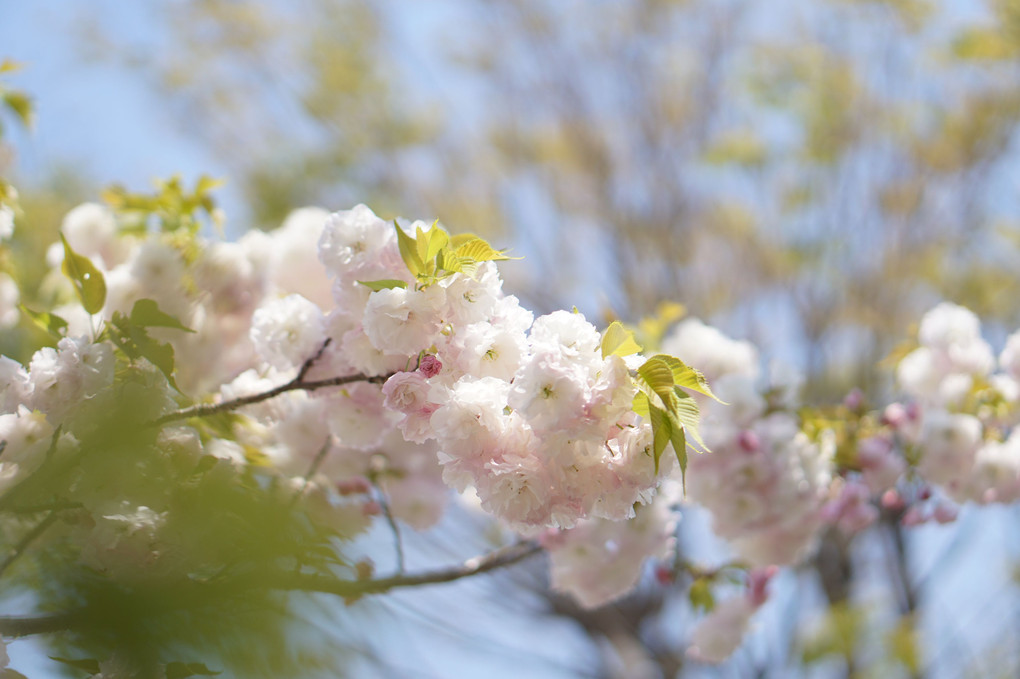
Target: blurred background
{"type": "Point", "coordinates": [811, 175]}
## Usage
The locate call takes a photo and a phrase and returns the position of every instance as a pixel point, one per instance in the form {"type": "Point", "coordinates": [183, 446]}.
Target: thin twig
{"type": "Point", "coordinates": [388, 514]}
{"type": "Point", "coordinates": [312, 469]}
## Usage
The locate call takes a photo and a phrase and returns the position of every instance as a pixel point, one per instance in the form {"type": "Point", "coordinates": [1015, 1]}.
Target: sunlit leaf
{"type": "Point", "coordinates": [480, 251]}
{"type": "Point", "coordinates": [409, 251]}
{"type": "Point", "coordinates": [686, 376]}
{"type": "Point", "coordinates": [51, 323]}
{"type": "Point", "coordinates": [619, 341]}
{"type": "Point", "coordinates": [87, 279]}
{"type": "Point", "coordinates": [384, 284]}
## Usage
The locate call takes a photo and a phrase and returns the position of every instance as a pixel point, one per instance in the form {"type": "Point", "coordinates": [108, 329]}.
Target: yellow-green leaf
{"type": "Point", "coordinates": [662, 431]}
{"type": "Point", "coordinates": [657, 374]}
{"type": "Point", "coordinates": [618, 340]}
{"type": "Point", "coordinates": [687, 414]}
{"type": "Point", "coordinates": [461, 239]}
{"type": "Point", "coordinates": [686, 376]}
{"type": "Point", "coordinates": [641, 404]}
{"type": "Point", "coordinates": [480, 251]}
{"type": "Point", "coordinates": [409, 251]}
{"type": "Point", "coordinates": [20, 105]}
{"type": "Point", "coordinates": [438, 239]}
{"type": "Point", "coordinates": [384, 284]}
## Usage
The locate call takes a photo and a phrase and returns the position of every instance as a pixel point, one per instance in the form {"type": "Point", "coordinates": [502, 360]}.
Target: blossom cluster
{"type": "Point", "coordinates": [414, 373]}
{"type": "Point", "coordinates": [450, 383]}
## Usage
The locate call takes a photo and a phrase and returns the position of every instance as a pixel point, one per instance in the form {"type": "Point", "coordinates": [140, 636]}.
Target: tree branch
{"type": "Point", "coordinates": [506, 556]}
{"type": "Point", "coordinates": [297, 384]}
{"type": "Point", "coordinates": [27, 540]}
{"type": "Point", "coordinates": [45, 624]}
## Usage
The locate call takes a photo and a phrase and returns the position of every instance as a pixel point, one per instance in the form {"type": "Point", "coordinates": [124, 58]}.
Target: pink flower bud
{"type": "Point", "coordinates": [945, 513]}
{"type": "Point", "coordinates": [749, 441]}
{"type": "Point", "coordinates": [757, 580]}
{"type": "Point", "coordinates": [854, 400]}
{"type": "Point", "coordinates": [913, 517]}
{"type": "Point", "coordinates": [664, 575]}
{"type": "Point", "coordinates": [430, 365]}
{"type": "Point", "coordinates": [891, 499]}
{"type": "Point", "coordinates": [895, 415]}
{"type": "Point", "coordinates": [355, 486]}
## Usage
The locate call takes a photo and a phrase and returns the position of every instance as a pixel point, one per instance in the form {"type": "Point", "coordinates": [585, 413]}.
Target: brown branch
{"type": "Point", "coordinates": [27, 540]}
{"type": "Point", "coordinates": [506, 556]}
{"type": "Point", "coordinates": [297, 384]}
{"type": "Point", "coordinates": [45, 624]}
{"type": "Point", "coordinates": [349, 589]}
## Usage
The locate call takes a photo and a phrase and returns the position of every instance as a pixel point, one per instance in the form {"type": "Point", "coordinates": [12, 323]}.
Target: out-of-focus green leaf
{"type": "Point", "coordinates": [89, 665]}
{"type": "Point", "coordinates": [19, 104]}
{"type": "Point", "coordinates": [87, 279]}
{"type": "Point", "coordinates": [180, 670]}
{"type": "Point", "coordinates": [146, 314]}
{"type": "Point", "coordinates": [51, 323]}
{"type": "Point", "coordinates": [700, 595]}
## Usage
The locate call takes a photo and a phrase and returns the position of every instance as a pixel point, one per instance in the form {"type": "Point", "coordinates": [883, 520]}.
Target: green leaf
{"type": "Point", "coordinates": [462, 238]}
{"type": "Point", "coordinates": [619, 341]}
{"type": "Point", "coordinates": [51, 323]}
{"type": "Point", "coordinates": [409, 251]}
{"type": "Point", "coordinates": [640, 405]}
{"type": "Point", "coordinates": [686, 376]}
{"type": "Point", "coordinates": [657, 374]}
{"type": "Point", "coordinates": [700, 595]}
{"type": "Point", "coordinates": [9, 66]}
{"type": "Point", "coordinates": [89, 665]}
{"type": "Point", "coordinates": [206, 184]}
{"type": "Point", "coordinates": [662, 431]}
{"type": "Point", "coordinates": [180, 670]}
{"type": "Point", "coordinates": [480, 251]}
{"type": "Point", "coordinates": [159, 354]}
{"type": "Point", "coordinates": [147, 314]}
{"type": "Point", "coordinates": [20, 105]}
{"type": "Point", "coordinates": [447, 261]}
{"type": "Point", "coordinates": [421, 244]}
{"type": "Point", "coordinates": [678, 437]}
{"type": "Point", "coordinates": [687, 414]}
{"type": "Point", "coordinates": [438, 239]}
{"type": "Point", "coordinates": [88, 280]}
{"type": "Point", "coordinates": [385, 284]}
